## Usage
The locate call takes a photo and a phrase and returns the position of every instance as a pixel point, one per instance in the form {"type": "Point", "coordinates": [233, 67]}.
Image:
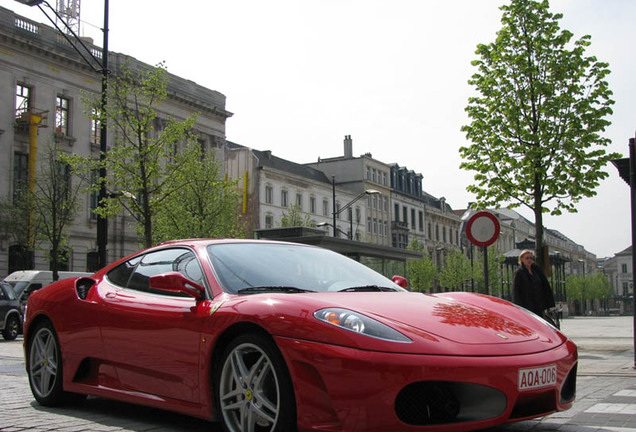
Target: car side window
{"type": "Point", "coordinates": [2, 296]}
{"type": "Point", "coordinates": [120, 275]}
{"type": "Point", "coordinates": [167, 260]}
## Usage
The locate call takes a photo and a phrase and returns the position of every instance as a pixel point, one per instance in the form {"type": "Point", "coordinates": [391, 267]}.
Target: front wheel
{"type": "Point", "coordinates": [253, 389]}
{"type": "Point", "coordinates": [45, 371]}
{"type": "Point", "coordinates": [11, 328]}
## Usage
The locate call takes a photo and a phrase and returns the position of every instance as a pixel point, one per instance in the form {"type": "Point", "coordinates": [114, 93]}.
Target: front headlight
{"type": "Point", "coordinates": [358, 323]}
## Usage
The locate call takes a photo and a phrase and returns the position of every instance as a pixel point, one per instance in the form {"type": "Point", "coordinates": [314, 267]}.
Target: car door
{"type": "Point", "coordinates": [153, 337]}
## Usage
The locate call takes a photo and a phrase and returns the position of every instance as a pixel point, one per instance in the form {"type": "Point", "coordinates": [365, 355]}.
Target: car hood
{"type": "Point", "coordinates": [450, 323]}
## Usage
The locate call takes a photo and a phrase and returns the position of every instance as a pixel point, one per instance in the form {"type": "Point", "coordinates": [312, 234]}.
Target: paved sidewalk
{"type": "Point", "coordinates": [606, 384]}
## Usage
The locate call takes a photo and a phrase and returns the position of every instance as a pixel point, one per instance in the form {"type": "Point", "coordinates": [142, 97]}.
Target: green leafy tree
{"type": "Point", "coordinates": [455, 271]}
{"type": "Point", "coordinates": [144, 162]}
{"type": "Point", "coordinates": [494, 271]}
{"type": "Point", "coordinates": [421, 273]}
{"type": "Point", "coordinates": [584, 289]}
{"type": "Point", "coordinates": [536, 121]}
{"type": "Point", "coordinates": [56, 200]}
{"type": "Point", "coordinates": [296, 217]}
{"type": "Point", "coordinates": [17, 225]}
{"type": "Point", "coordinates": [206, 205]}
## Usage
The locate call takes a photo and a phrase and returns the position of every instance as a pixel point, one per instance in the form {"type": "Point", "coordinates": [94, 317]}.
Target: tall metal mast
{"type": "Point", "coordinates": [69, 12]}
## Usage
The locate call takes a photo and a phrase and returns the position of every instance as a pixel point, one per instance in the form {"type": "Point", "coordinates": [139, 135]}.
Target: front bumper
{"type": "Point", "coordinates": [344, 389]}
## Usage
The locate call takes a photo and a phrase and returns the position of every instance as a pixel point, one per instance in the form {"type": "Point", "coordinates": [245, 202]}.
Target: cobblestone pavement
{"type": "Point", "coordinates": [606, 393]}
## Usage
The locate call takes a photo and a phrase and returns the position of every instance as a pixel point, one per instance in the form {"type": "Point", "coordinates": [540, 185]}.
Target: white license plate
{"type": "Point", "coordinates": [537, 377]}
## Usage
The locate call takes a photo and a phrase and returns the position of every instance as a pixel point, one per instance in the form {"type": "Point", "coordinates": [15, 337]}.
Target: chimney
{"type": "Point", "coordinates": [348, 147]}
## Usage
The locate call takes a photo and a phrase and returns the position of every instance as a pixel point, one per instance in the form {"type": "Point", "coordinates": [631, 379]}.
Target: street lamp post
{"type": "Point", "coordinates": [102, 222]}
{"type": "Point", "coordinates": [346, 207]}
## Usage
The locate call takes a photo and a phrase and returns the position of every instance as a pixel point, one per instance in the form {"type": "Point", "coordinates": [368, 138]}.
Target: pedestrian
{"type": "Point", "coordinates": [530, 287]}
{"type": "Point", "coordinates": [560, 311]}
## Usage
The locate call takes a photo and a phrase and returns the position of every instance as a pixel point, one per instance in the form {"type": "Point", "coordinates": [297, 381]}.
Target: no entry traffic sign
{"type": "Point", "coordinates": [482, 229]}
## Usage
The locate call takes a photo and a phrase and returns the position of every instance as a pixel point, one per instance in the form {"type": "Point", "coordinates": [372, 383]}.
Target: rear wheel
{"type": "Point", "coordinates": [45, 367]}
{"type": "Point", "coordinates": [11, 328]}
{"type": "Point", "coordinates": [253, 389]}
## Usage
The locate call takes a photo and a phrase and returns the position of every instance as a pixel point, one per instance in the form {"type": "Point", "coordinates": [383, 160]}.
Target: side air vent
{"type": "Point", "coordinates": [568, 390]}
{"type": "Point", "coordinates": [83, 286]}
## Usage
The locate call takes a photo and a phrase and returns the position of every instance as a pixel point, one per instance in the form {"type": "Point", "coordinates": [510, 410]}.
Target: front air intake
{"type": "Point", "coordinates": [426, 403]}
{"type": "Point", "coordinates": [446, 402]}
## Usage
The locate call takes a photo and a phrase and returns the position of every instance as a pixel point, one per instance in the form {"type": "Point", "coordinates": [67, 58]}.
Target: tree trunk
{"type": "Point", "coordinates": [538, 224]}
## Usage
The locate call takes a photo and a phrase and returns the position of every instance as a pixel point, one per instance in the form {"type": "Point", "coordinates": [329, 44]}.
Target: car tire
{"type": "Point", "coordinates": [11, 328]}
{"type": "Point", "coordinates": [253, 388]}
{"type": "Point", "coordinates": [44, 367]}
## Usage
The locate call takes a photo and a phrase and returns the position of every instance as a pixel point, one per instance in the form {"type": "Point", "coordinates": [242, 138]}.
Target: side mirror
{"type": "Point", "coordinates": [175, 282]}
{"type": "Point", "coordinates": [401, 281]}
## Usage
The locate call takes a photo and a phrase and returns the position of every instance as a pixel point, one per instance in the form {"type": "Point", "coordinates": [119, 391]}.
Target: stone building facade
{"type": "Point", "coordinates": [271, 186]}
{"type": "Point", "coordinates": [357, 175]}
{"type": "Point", "coordinates": [43, 75]}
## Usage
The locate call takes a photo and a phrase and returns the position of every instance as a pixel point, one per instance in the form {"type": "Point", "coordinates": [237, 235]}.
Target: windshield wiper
{"type": "Point", "coordinates": [272, 289]}
{"type": "Point", "coordinates": [367, 288]}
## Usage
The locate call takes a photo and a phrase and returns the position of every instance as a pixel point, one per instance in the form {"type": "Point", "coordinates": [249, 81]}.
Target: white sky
{"type": "Point", "coordinates": [299, 75]}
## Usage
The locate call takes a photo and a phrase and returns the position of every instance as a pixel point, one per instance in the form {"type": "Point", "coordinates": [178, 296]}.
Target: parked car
{"type": "Point", "coordinates": [24, 282]}
{"type": "Point", "coordinates": [274, 336]}
{"type": "Point", "coordinates": [10, 316]}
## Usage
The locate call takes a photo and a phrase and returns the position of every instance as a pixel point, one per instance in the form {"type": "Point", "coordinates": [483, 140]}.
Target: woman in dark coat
{"type": "Point", "coordinates": [530, 287]}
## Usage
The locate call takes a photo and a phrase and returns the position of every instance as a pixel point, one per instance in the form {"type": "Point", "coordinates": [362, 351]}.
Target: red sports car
{"type": "Point", "coordinates": [273, 336]}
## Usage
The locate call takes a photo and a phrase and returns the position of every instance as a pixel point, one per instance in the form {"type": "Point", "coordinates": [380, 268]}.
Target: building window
{"type": "Point", "coordinates": [421, 220]}
{"type": "Point", "coordinates": [22, 99]}
{"type": "Point", "coordinates": [20, 172]}
{"type": "Point", "coordinates": [380, 228]}
{"type": "Point", "coordinates": [62, 109]}
{"type": "Point", "coordinates": [369, 225]}
{"type": "Point", "coordinates": [312, 205]}
{"type": "Point", "coordinates": [430, 231]}
{"type": "Point", "coordinates": [337, 210]}
{"type": "Point", "coordinates": [283, 198]}
{"type": "Point", "coordinates": [623, 268]}
{"type": "Point", "coordinates": [92, 262]}
{"type": "Point", "coordinates": [325, 208]}
{"type": "Point", "coordinates": [374, 175]}
{"type": "Point", "coordinates": [436, 232]}
{"type": "Point", "coordinates": [444, 234]}
{"type": "Point", "coordinates": [269, 221]}
{"type": "Point", "coordinates": [413, 218]}
{"type": "Point", "coordinates": [368, 173]}
{"type": "Point", "coordinates": [269, 195]}
{"type": "Point", "coordinates": [396, 210]}
{"type": "Point", "coordinates": [299, 201]}
{"type": "Point", "coordinates": [405, 215]}
{"type": "Point", "coordinates": [96, 128]}
{"type": "Point", "coordinates": [386, 228]}
{"type": "Point", "coordinates": [375, 226]}
{"type": "Point", "coordinates": [358, 215]}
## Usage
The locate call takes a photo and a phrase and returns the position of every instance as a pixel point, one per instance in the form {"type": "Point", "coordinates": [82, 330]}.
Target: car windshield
{"type": "Point", "coordinates": [18, 287]}
{"type": "Point", "coordinates": [9, 290]}
{"type": "Point", "coordinates": [249, 268]}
